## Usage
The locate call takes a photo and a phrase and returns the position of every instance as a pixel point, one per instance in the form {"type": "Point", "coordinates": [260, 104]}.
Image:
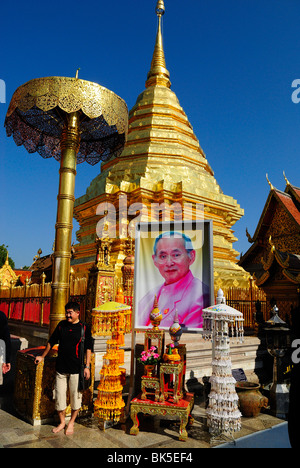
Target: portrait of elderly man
{"type": "Point", "coordinates": [173, 255]}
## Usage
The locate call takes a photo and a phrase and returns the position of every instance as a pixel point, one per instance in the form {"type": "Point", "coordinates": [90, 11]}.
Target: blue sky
{"type": "Point", "coordinates": [231, 63]}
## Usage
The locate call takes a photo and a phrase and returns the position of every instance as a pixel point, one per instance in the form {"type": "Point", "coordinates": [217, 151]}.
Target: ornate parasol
{"type": "Point", "coordinates": [72, 120]}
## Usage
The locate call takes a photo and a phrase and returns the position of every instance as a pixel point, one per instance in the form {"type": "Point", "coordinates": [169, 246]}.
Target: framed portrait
{"type": "Point", "coordinates": [174, 266]}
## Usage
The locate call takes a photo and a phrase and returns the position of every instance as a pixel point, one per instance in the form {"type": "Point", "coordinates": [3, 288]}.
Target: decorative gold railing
{"type": "Point", "coordinates": [31, 303]}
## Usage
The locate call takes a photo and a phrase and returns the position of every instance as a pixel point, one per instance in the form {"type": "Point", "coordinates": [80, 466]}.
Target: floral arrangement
{"type": "Point", "coordinates": [150, 357]}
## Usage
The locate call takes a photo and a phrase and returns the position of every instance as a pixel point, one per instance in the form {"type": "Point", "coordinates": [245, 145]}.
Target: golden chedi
{"type": "Point", "coordinates": [162, 163]}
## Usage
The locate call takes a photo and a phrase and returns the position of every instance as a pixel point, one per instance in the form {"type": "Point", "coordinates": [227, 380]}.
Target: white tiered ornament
{"type": "Point", "coordinates": [220, 323]}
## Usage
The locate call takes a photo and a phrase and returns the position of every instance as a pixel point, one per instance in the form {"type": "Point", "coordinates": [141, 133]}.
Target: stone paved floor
{"type": "Point", "coordinates": [154, 432]}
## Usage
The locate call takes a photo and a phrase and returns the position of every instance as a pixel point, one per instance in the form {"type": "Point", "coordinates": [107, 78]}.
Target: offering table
{"type": "Point", "coordinates": [181, 410]}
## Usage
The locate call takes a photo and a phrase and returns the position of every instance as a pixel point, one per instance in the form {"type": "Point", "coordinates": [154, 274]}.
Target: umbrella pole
{"type": "Point", "coordinates": [70, 142]}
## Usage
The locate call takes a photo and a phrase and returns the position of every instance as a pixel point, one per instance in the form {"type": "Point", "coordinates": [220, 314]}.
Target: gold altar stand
{"type": "Point", "coordinates": [175, 371]}
{"type": "Point", "coordinates": [166, 396]}
{"type": "Point", "coordinates": [181, 410]}
{"type": "Point", "coordinates": [152, 383]}
{"type": "Point", "coordinates": [155, 337]}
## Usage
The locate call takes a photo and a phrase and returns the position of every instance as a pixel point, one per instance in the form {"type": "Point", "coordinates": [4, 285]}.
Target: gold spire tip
{"type": "Point", "coordinates": [158, 74]}
{"type": "Point", "coordinates": [160, 8]}
{"type": "Point", "coordinates": [76, 75]}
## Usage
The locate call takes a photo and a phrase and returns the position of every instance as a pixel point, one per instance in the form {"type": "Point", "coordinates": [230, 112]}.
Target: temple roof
{"type": "Point", "coordinates": [288, 263]}
{"type": "Point", "coordinates": [289, 200]}
{"type": "Point", "coordinates": [293, 191]}
{"type": "Point", "coordinates": [7, 274]}
{"type": "Point", "coordinates": [275, 197]}
{"type": "Point", "coordinates": [23, 275]}
{"type": "Point", "coordinates": [41, 265]}
{"type": "Point", "coordinates": [277, 237]}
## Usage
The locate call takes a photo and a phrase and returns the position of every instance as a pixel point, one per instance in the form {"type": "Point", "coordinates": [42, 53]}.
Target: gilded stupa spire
{"type": "Point", "coordinates": [162, 163]}
{"type": "Point", "coordinates": [158, 74]}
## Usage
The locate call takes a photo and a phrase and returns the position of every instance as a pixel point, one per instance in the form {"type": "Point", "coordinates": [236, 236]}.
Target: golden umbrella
{"type": "Point", "coordinates": [72, 120]}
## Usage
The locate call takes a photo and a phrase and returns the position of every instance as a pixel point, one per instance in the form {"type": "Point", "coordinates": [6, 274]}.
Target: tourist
{"type": "Point", "coordinates": [173, 254]}
{"type": "Point", "coordinates": [68, 336]}
{"type": "Point", "coordinates": [5, 346]}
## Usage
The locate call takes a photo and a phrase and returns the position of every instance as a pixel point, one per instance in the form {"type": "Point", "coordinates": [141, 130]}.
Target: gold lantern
{"type": "Point", "coordinates": [112, 318]}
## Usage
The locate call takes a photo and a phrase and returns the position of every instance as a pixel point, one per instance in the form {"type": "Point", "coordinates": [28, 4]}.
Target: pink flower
{"type": "Point", "coordinates": [149, 357]}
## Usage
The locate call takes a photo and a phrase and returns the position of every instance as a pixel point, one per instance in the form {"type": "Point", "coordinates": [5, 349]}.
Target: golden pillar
{"type": "Point", "coordinates": [70, 143]}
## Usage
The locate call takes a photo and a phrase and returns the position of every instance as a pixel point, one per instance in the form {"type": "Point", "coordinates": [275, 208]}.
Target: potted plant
{"type": "Point", "coordinates": [149, 358]}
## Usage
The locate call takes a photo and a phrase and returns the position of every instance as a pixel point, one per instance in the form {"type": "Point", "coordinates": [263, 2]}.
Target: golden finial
{"type": "Point", "coordinates": [249, 237]}
{"type": "Point", "coordinates": [158, 74]}
{"type": "Point", "coordinates": [160, 8]}
{"type": "Point", "coordinates": [120, 295]}
{"type": "Point", "coordinates": [76, 75]}
{"type": "Point", "coordinates": [271, 244]}
{"type": "Point", "coordinates": [286, 180]}
{"type": "Point", "coordinates": [271, 186]}
{"type": "Point", "coordinates": [155, 315]}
